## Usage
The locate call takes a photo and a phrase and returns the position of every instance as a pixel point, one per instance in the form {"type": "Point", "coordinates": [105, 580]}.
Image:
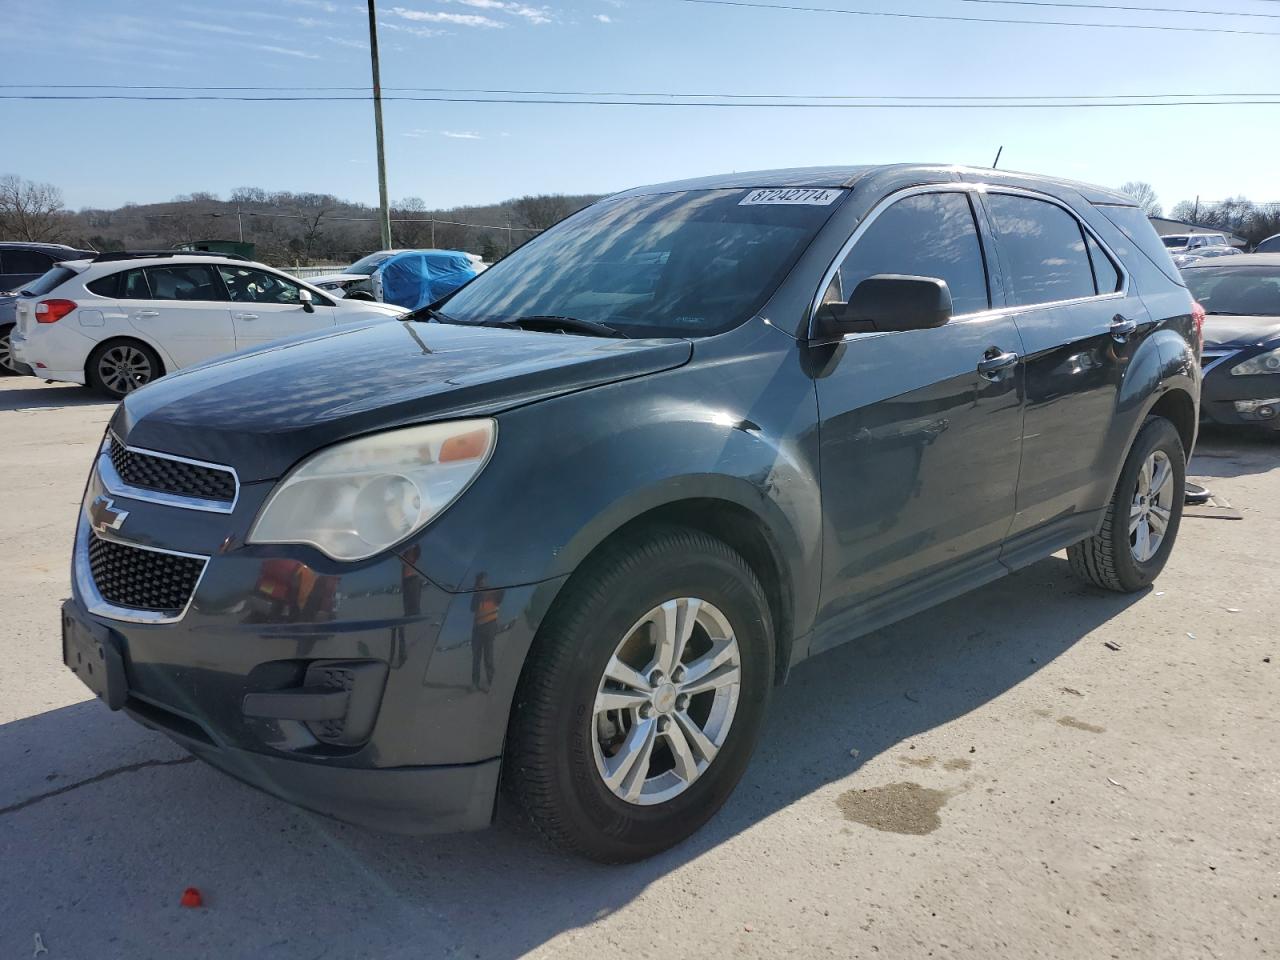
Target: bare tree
{"type": "Point", "coordinates": [31, 211]}
{"type": "Point", "coordinates": [1145, 195]}
{"type": "Point", "coordinates": [542, 211]}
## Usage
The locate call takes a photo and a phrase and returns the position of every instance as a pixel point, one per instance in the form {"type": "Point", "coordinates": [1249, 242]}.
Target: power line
{"type": "Point", "coordinates": [1004, 20]}
{"type": "Point", "coordinates": [633, 93]}
{"type": "Point", "coordinates": [1114, 6]}
{"type": "Point", "coordinates": [897, 105]}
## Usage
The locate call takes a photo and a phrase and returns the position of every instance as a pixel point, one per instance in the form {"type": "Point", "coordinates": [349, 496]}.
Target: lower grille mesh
{"type": "Point", "coordinates": [142, 579]}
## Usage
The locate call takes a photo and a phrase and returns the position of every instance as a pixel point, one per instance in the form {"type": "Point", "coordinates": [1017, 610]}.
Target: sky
{"type": "Point", "coordinates": [106, 153]}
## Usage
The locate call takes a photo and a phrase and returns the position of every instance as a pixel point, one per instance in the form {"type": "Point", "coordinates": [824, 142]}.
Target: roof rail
{"type": "Point", "coordinates": [160, 254]}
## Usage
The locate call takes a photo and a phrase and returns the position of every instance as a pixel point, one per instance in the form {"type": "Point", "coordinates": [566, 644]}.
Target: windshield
{"type": "Point", "coordinates": [1243, 291]}
{"type": "Point", "coordinates": [683, 264]}
{"type": "Point", "coordinates": [367, 265]}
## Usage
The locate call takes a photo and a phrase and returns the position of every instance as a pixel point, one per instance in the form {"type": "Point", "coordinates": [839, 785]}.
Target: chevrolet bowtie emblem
{"type": "Point", "coordinates": [104, 516]}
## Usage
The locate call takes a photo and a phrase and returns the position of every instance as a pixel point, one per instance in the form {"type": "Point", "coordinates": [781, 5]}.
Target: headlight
{"type": "Point", "coordinates": [1268, 362]}
{"type": "Point", "coordinates": [358, 498]}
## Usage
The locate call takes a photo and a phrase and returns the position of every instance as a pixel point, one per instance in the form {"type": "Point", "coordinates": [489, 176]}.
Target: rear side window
{"type": "Point", "coordinates": [49, 281]}
{"type": "Point", "coordinates": [927, 235]}
{"type": "Point", "coordinates": [1043, 250]}
{"type": "Point", "coordinates": [1104, 270]}
{"type": "Point", "coordinates": [24, 261]}
{"type": "Point", "coordinates": [193, 281]}
{"type": "Point", "coordinates": [1133, 223]}
{"type": "Point", "coordinates": [126, 285]}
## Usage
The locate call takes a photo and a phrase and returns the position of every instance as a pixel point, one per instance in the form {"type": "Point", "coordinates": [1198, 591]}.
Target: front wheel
{"type": "Point", "coordinates": [642, 697]}
{"type": "Point", "coordinates": [1142, 520]}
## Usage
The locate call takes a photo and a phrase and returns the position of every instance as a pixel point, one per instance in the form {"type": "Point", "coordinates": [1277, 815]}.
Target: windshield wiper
{"type": "Point", "coordinates": [573, 324]}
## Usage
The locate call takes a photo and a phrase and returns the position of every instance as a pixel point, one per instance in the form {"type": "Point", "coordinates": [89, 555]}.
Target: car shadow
{"type": "Point", "coordinates": [48, 396]}
{"type": "Point", "coordinates": [1226, 452]}
{"type": "Point", "coordinates": [99, 868]}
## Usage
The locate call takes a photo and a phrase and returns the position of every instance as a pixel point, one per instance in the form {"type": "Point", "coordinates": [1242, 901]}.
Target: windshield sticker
{"type": "Point", "coordinates": [793, 195]}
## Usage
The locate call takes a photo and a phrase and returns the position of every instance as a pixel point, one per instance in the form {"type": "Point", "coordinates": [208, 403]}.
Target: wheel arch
{"type": "Point", "coordinates": [742, 529]}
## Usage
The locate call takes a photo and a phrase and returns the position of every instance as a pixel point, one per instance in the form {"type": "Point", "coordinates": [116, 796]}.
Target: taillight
{"type": "Point", "coordinates": [51, 311]}
{"type": "Point", "coordinates": [1197, 316]}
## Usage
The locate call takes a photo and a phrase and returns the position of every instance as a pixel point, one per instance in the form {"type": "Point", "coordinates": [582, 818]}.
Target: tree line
{"type": "Point", "coordinates": [1252, 222]}
{"type": "Point", "coordinates": [287, 228]}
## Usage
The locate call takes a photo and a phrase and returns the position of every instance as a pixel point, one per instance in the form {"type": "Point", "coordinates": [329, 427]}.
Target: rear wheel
{"type": "Point", "coordinates": [1142, 520]}
{"type": "Point", "coordinates": [642, 697]}
{"type": "Point", "coordinates": [8, 366]}
{"type": "Point", "coordinates": [119, 367]}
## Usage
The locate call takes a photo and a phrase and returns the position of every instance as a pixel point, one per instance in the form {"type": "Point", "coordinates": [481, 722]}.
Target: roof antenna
{"type": "Point", "coordinates": [998, 152]}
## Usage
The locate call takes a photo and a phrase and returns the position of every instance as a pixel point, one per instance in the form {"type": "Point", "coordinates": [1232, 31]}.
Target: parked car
{"type": "Point", "coordinates": [568, 528]}
{"type": "Point", "coordinates": [1242, 338]}
{"type": "Point", "coordinates": [120, 320]}
{"type": "Point", "coordinates": [1190, 242]}
{"type": "Point", "coordinates": [1269, 245]}
{"type": "Point", "coordinates": [419, 276]}
{"type": "Point", "coordinates": [21, 263]}
{"type": "Point", "coordinates": [1181, 260]}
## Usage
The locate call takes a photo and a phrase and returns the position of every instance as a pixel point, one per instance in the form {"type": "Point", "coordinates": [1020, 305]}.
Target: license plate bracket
{"type": "Point", "coordinates": [92, 653]}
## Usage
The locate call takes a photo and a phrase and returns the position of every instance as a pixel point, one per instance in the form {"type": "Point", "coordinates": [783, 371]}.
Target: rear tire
{"type": "Point", "coordinates": [119, 367]}
{"type": "Point", "coordinates": [8, 366]}
{"type": "Point", "coordinates": [1125, 555]}
{"type": "Point", "coordinates": [565, 760]}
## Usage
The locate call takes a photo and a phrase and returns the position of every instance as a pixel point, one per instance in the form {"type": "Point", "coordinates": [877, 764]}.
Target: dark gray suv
{"type": "Point", "coordinates": [573, 522]}
{"type": "Point", "coordinates": [21, 263]}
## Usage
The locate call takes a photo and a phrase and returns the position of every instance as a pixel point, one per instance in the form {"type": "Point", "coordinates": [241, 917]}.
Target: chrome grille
{"type": "Point", "coordinates": [140, 579]}
{"type": "Point", "coordinates": [179, 478]}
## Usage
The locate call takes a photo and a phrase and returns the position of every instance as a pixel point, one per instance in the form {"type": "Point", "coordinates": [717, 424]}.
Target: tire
{"type": "Point", "coordinates": [107, 370]}
{"type": "Point", "coordinates": [1115, 558]}
{"type": "Point", "coordinates": [558, 753]}
{"type": "Point", "coordinates": [8, 366]}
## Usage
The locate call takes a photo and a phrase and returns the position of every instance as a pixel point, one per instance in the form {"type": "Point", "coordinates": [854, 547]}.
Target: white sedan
{"type": "Point", "coordinates": [119, 321]}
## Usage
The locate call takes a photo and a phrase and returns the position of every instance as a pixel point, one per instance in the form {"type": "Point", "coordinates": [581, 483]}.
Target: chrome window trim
{"type": "Point", "coordinates": [112, 482]}
{"type": "Point", "coordinates": [985, 232]}
{"type": "Point", "coordinates": [96, 604]}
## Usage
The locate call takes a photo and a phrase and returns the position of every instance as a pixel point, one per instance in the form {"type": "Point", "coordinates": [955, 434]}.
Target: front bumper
{"type": "Point", "coordinates": [1247, 401]}
{"type": "Point", "coordinates": [414, 743]}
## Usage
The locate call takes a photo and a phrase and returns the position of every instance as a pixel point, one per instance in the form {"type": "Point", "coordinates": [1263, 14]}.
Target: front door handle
{"type": "Point", "coordinates": [1122, 328]}
{"type": "Point", "coordinates": [995, 363]}
{"type": "Point", "coordinates": [143, 314]}
{"type": "Point", "coordinates": [245, 316]}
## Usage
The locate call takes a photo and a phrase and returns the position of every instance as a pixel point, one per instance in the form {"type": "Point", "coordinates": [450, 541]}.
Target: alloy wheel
{"type": "Point", "coordinates": [1152, 506]}
{"type": "Point", "coordinates": [124, 368]}
{"type": "Point", "coordinates": [666, 702]}
{"type": "Point", "coordinates": [6, 354]}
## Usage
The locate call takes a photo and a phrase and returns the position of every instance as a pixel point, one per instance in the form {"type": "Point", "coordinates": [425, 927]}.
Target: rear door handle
{"type": "Point", "coordinates": [1122, 327]}
{"type": "Point", "coordinates": [245, 316]}
{"type": "Point", "coordinates": [147, 313]}
{"type": "Point", "coordinates": [994, 363]}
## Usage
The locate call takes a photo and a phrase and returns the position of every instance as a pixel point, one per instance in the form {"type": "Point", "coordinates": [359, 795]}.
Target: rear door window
{"type": "Point", "coordinates": [1043, 250]}
{"type": "Point", "coordinates": [926, 235]}
{"type": "Point", "coordinates": [1105, 272]}
{"type": "Point", "coordinates": [191, 281]}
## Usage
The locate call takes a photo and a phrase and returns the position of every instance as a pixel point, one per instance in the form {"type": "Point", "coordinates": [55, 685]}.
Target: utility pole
{"type": "Point", "coordinates": [384, 212]}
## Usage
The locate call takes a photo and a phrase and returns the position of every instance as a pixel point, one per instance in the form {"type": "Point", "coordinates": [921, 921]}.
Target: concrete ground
{"type": "Point", "coordinates": [988, 779]}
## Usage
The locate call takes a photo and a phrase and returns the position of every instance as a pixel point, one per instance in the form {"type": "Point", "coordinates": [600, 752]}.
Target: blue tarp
{"type": "Point", "coordinates": [420, 277]}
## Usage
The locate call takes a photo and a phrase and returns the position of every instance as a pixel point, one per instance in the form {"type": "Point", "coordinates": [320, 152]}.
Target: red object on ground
{"type": "Point", "coordinates": [191, 898]}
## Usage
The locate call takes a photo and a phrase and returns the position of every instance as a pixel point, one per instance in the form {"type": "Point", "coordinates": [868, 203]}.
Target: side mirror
{"type": "Point", "coordinates": [887, 302]}
{"type": "Point", "coordinates": [304, 295]}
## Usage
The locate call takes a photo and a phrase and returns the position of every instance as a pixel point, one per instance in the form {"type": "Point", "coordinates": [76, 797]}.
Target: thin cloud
{"type": "Point", "coordinates": [414, 31]}
{"type": "Point", "coordinates": [325, 5]}
{"type": "Point", "coordinates": [457, 19]}
{"type": "Point", "coordinates": [460, 135]}
{"type": "Point", "coordinates": [344, 42]}
{"type": "Point", "coordinates": [286, 52]}
{"type": "Point", "coordinates": [214, 28]}
{"type": "Point", "coordinates": [603, 18]}
{"type": "Point", "coordinates": [532, 14]}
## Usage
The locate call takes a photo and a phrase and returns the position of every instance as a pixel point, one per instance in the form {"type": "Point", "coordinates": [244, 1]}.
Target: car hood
{"type": "Point", "coordinates": [1233, 331]}
{"type": "Point", "coordinates": [335, 278]}
{"type": "Point", "coordinates": [261, 411]}
{"type": "Point", "coordinates": [361, 309]}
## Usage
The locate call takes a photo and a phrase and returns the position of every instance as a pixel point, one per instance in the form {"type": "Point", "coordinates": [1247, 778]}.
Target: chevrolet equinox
{"type": "Point", "coordinates": [569, 525]}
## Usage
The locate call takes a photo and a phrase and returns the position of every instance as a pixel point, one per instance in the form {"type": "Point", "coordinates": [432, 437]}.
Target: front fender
{"type": "Point", "coordinates": [569, 472]}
